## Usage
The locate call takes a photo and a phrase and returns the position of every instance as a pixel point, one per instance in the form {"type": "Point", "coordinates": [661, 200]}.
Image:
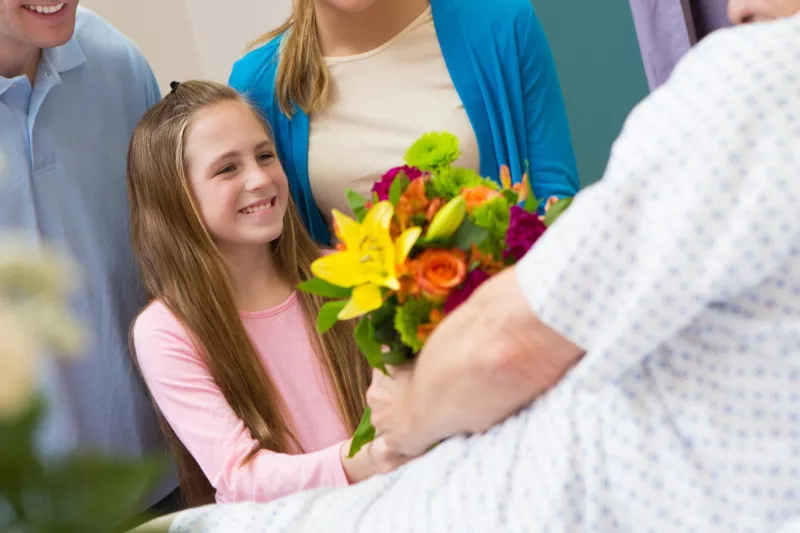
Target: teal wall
{"type": "Point", "coordinates": [601, 71]}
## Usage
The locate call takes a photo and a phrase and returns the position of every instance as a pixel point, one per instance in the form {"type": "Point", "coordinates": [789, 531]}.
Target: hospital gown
{"type": "Point", "coordinates": [679, 273]}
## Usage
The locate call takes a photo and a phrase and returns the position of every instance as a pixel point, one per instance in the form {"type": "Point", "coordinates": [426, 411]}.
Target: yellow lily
{"type": "Point", "coordinates": [369, 260]}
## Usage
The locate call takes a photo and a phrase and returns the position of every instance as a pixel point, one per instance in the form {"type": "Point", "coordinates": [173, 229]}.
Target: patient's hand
{"type": "Point", "coordinates": [484, 362]}
{"type": "Point", "coordinates": [388, 398]}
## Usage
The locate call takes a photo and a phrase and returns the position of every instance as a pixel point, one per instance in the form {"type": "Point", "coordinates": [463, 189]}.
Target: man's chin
{"type": "Point", "coordinates": [51, 37]}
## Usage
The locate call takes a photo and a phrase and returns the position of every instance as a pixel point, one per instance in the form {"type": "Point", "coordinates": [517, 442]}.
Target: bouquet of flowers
{"type": "Point", "coordinates": [430, 235]}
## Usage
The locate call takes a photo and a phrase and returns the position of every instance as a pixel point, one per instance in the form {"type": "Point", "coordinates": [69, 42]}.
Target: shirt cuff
{"type": "Point", "coordinates": [338, 475]}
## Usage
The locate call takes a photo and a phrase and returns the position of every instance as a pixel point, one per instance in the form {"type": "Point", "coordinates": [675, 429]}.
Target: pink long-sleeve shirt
{"type": "Point", "coordinates": [197, 411]}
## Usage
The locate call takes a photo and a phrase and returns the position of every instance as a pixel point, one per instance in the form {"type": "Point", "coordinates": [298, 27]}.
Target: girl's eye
{"type": "Point", "coordinates": [266, 156]}
{"type": "Point", "coordinates": [226, 170]}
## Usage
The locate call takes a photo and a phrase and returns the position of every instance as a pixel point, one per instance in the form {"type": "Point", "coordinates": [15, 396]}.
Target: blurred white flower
{"type": "Point", "coordinates": [17, 364]}
{"type": "Point", "coordinates": [27, 271]}
{"type": "Point", "coordinates": [34, 319]}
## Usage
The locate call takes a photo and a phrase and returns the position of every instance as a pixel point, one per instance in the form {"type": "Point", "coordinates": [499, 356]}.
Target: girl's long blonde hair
{"type": "Point", "coordinates": [181, 266]}
{"type": "Point", "coordinates": [302, 78]}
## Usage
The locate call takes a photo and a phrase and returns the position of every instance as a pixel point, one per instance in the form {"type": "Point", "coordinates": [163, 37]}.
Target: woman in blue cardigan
{"type": "Point", "coordinates": [348, 85]}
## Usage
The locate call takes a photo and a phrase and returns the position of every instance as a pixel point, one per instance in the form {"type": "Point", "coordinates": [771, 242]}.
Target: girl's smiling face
{"type": "Point", "coordinates": [237, 181]}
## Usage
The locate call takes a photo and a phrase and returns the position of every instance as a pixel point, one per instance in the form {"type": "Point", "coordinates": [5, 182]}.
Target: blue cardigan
{"type": "Point", "coordinates": [503, 70]}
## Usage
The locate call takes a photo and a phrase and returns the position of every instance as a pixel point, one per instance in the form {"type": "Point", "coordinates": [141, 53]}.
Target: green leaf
{"type": "Point", "coordinates": [370, 348]}
{"type": "Point", "coordinates": [511, 196]}
{"type": "Point", "coordinates": [399, 355]}
{"type": "Point", "coordinates": [384, 313]}
{"type": "Point", "coordinates": [556, 211]}
{"type": "Point", "coordinates": [328, 315]}
{"type": "Point", "coordinates": [84, 493]}
{"type": "Point", "coordinates": [357, 204]}
{"type": "Point", "coordinates": [468, 234]}
{"type": "Point", "coordinates": [20, 467]}
{"type": "Point", "coordinates": [95, 494]}
{"type": "Point", "coordinates": [323, 288]}
{"type": "Point", "coordinates": [531, 202]}
{"type": "Point", "coordinates": [365, 433]}
{"type": "Point", "coordinates": [383, 322]}
{"type": "Point", "coordinates": [399, 186]}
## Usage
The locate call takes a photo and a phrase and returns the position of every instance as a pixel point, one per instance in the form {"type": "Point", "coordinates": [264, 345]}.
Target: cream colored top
{"type": "Point", "coordinates": [383, 101]}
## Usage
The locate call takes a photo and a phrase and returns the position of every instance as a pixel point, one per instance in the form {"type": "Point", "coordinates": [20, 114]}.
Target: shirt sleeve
{"type": "Point", "coordinates": [198, 413]}
{"type": "Point", "coordinates": [551, 156]}
{"type": "Point", "coordinates": [699, 204]}
{"type": "Point", "coordinates": [153, 91]}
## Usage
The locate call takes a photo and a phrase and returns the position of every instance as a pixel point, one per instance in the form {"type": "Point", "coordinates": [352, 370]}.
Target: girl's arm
{"type": "Point", "coordinates": [553, 169]}
{"type": "Point", "coordinates": [198, 413]}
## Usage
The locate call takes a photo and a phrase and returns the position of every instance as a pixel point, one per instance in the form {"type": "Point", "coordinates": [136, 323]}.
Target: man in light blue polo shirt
{"type": "Point", "coordinates": [72, 89]}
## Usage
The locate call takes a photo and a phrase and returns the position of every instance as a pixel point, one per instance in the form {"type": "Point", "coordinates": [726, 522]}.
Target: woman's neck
{"type": "Point", "coordinates": [257, 281]}
{"type": "Point", "coordinates": [345, 34]}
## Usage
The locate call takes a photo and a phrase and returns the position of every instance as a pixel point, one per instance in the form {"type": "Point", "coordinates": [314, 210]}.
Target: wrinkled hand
{"type": "Point", "coordinates": [385, 458]}
{"type": "Point", "coordinates": [388, 398]}
{"type": "Point", "coordinates": [484, 362]}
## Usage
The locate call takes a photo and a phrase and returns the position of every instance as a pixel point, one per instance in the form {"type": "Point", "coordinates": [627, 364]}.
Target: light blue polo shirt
{"type": "Point", "coordinates": [64, 144]}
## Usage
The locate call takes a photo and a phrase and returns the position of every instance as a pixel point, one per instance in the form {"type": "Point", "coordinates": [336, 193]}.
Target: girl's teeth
{"type": "Point", "coordinates": [251, 210]}
{"type": "Point", "coordinates": [46, 10]}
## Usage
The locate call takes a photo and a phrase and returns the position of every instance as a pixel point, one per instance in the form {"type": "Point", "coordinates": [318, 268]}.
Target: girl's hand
{"type": "Point", "coordinates": [373, 458]}
{"type": "Point", "coordinates": [384, 458]}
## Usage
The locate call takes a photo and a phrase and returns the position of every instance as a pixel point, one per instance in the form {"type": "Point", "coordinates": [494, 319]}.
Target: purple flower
{"type": "Point", "coordinates": [460, 295]}
{"type": "Point", "coordinates": [524, 229]}
{"type": "Point", "coordinates": [382, 187]}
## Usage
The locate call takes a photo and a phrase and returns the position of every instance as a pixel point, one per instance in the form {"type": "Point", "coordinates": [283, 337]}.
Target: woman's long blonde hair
{"type": "Point", "coordinates": [302, 78]}
{"type": "Point", "coordinates": [181, 266]}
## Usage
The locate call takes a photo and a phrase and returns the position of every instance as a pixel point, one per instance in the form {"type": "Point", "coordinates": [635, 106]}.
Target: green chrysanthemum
{"type": "Point", "coordinates": [449, 182]}
{"type": "Point", "coordinates": [493, 216]}
{"type": "Point", "coordinates": [433, 151]}
{"type": "Point", "coordinates": [408, 318]}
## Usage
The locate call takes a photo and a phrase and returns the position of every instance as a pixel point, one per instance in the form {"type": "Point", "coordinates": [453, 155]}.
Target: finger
{"type": "Point", "coordinates": [399, 371]}
{"type": "Point", "coordinates": [370, 396]}
{"type": "Point", "coordinates": [377, 375]}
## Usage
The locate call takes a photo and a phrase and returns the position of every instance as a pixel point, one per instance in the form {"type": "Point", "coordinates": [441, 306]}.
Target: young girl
{"type": "Point", "coordinates": [255, 403]}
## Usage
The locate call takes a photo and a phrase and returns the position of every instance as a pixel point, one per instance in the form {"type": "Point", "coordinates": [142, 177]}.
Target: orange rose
{"type": "Point", "coordinates": [478, 195]}
{"type": "Point", "coordinates": [437, 272]}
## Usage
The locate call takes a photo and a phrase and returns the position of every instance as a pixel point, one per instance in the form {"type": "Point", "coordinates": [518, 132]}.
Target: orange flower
{"type": "Point", "coordinates": [412, 202]}
{"type": "Point", "coordinates": [478, 195]}
{"type": "Point", "coordinates": [437, 272]}
{"type": "Point", "coordinates": [521, 189]}
{"type": "Point", "coordinates": [433, 208]}
{"type": "Point", "coordinates": [486, 261]}
{"type": "Point", "coordinates": [505, 177]}
{"type": "Point", "coordinates": [408, 287]}
{"type": "Point", "coordinates": [424, 330]}
{"type": "Point", "coordinates": [394, 229]}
